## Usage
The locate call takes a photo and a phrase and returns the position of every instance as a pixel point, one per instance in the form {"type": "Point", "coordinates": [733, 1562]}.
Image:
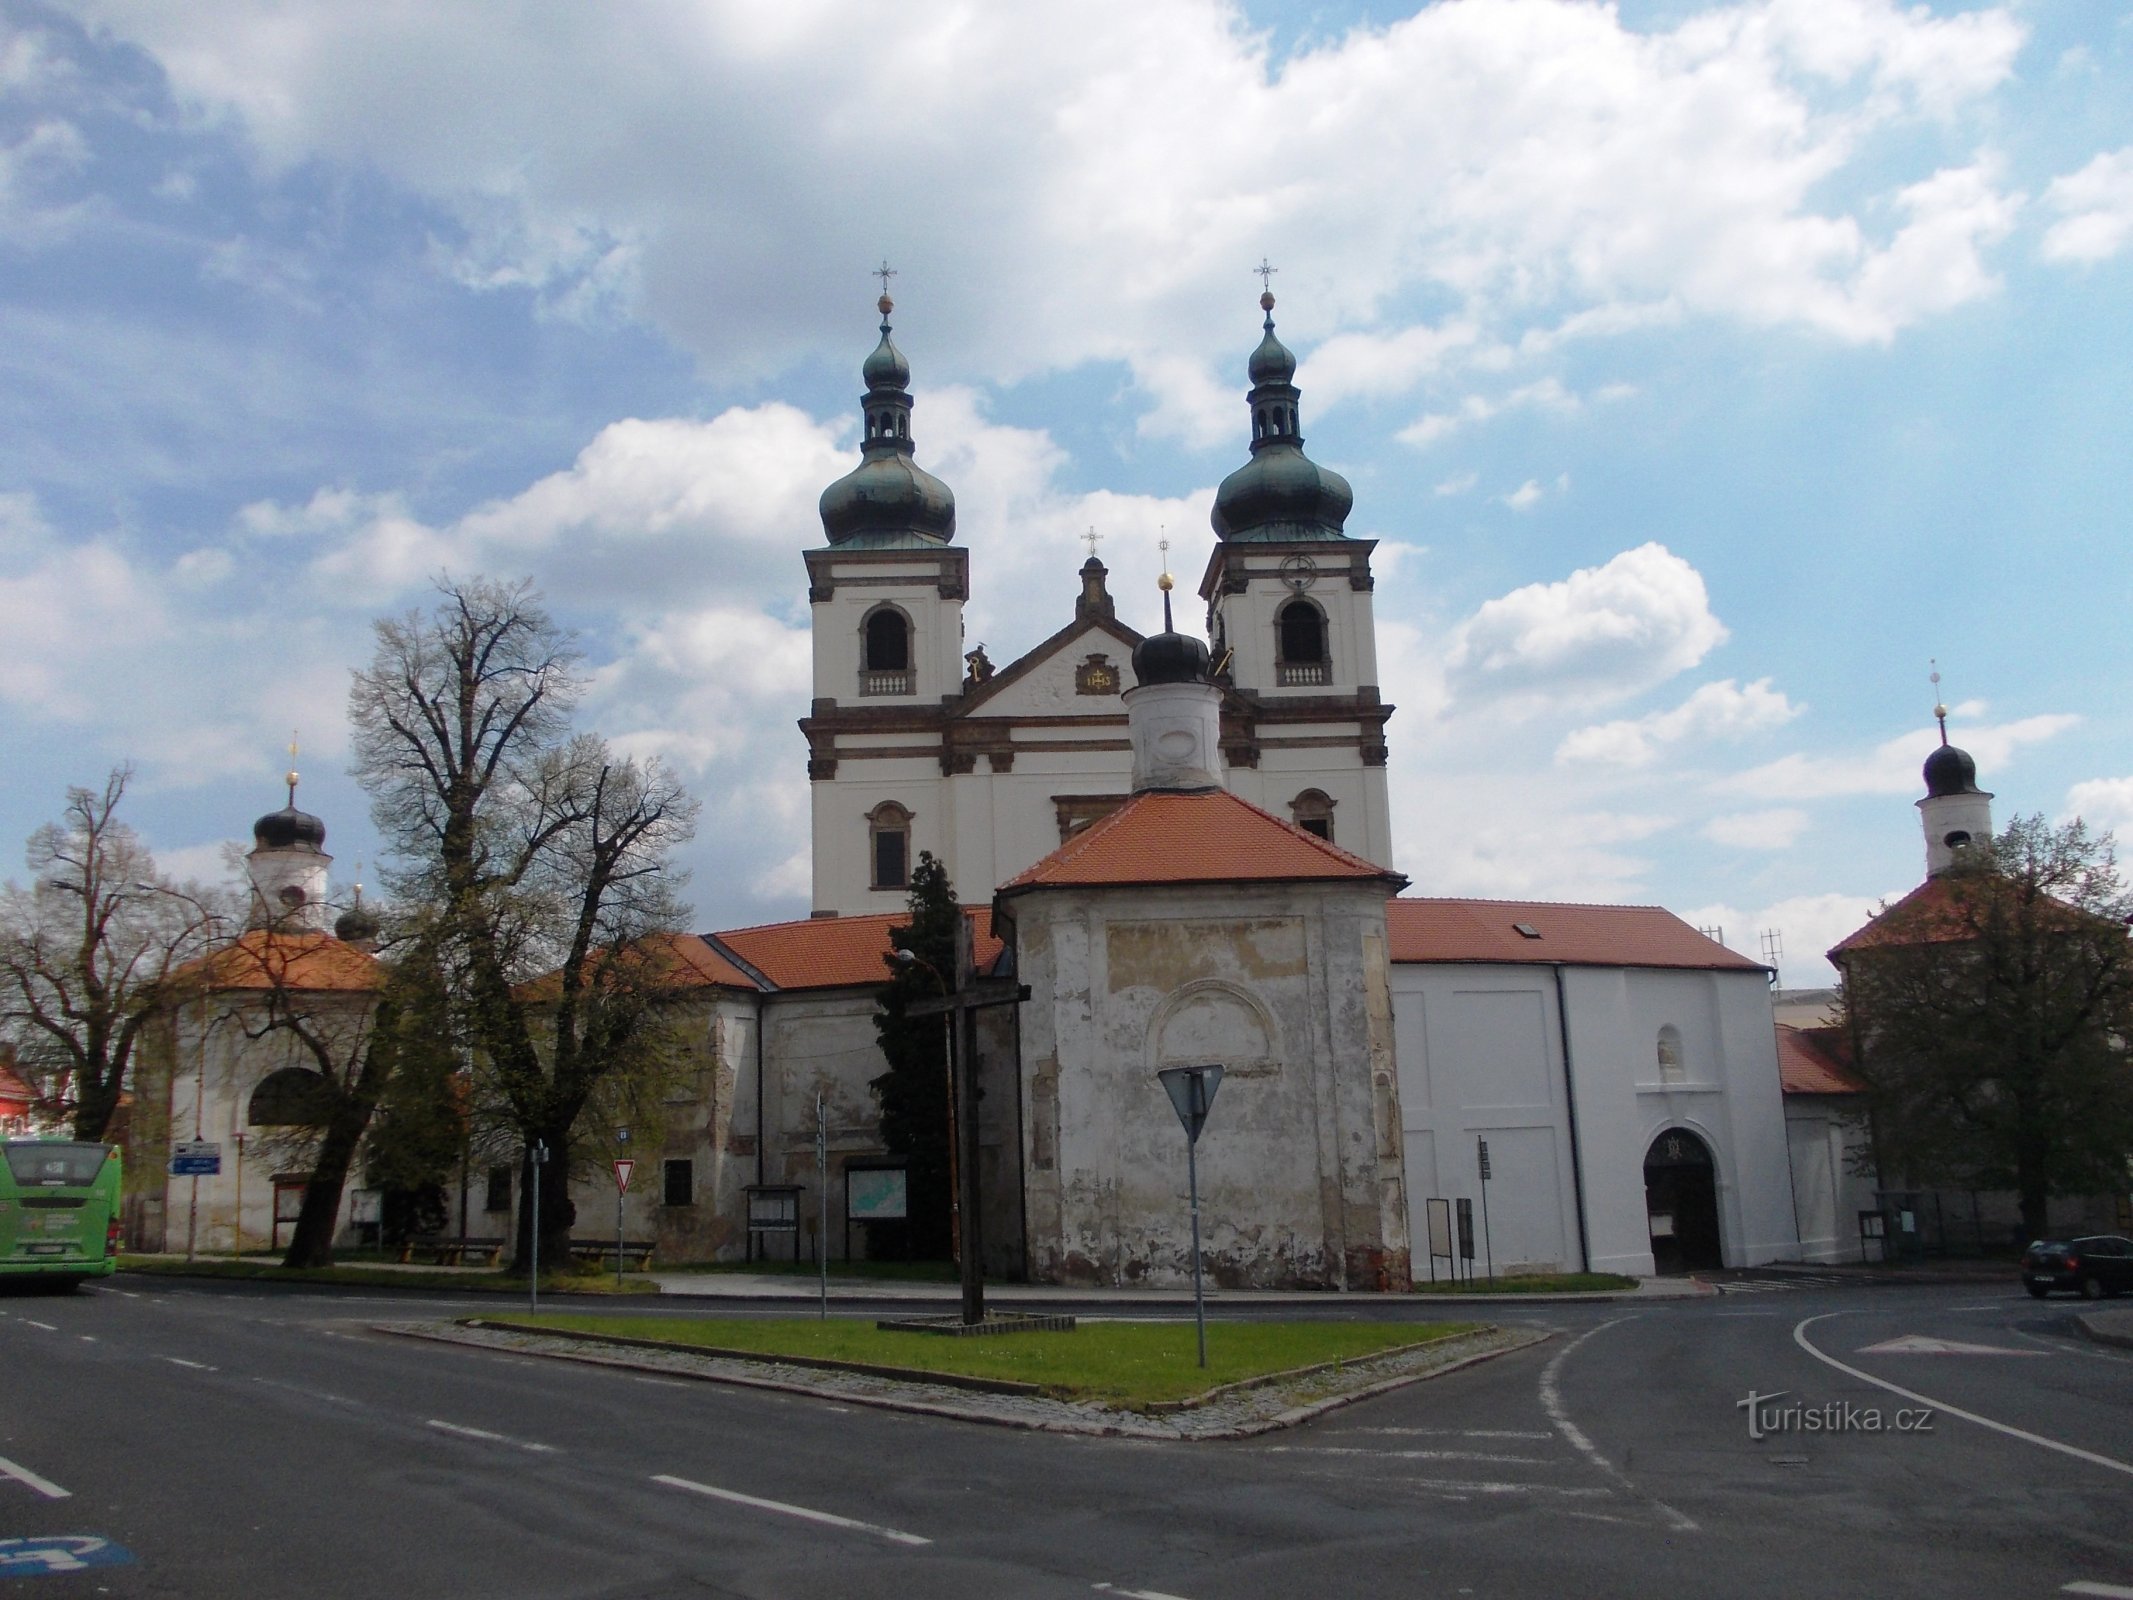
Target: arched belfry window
{"type": "Point", "coordinates": [294, 1097]}
{"type": "Point", "coordinates": [1312, 811]}
{"type": "Point", "coordinates": [1672, 1068]}
{"type": "Point", "coordinates": [1300, 629]}
{"type": "Point", "coordinates": [885, 652]}
{"type": "Point", "coordinates": [889, 845]}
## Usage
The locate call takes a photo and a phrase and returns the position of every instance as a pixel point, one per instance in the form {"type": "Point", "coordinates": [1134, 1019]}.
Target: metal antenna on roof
{"type": "Point", "coordinates": [1773, 943]}
{"type": "Point", "coordinates": [1940, 706]}
{"type": "Point", "coordinates": [292, 775]}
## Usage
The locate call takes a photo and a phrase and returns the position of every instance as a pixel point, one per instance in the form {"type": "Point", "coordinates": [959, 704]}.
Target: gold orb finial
{"type": "Point", "coordinates": [1163, 583]}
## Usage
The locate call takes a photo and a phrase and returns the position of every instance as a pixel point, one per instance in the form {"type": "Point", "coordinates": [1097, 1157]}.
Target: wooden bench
{"type": "Point", "coordinates": [635, 1252]}
{"type": "Point", "coordinates": [454, 1252]}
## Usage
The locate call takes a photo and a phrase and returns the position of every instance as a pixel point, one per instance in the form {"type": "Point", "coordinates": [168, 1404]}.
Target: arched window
{"type": "Point", "coordinates": [1671, 1067]}
{"type": "Point", "coordinates": [1312, 811]}
{"type": "Point", "coordinates": [291, 1098]}
{"type": "Point", "coordinates": [889, 845]}
{"type": "Point", "coordinates": [885, 652]}
{"type": "Point", "coordinates": [1300, 630]}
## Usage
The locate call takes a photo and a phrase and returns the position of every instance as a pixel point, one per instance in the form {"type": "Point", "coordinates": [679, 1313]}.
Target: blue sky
{"type": "Point", "coordinates": [1703, 369]}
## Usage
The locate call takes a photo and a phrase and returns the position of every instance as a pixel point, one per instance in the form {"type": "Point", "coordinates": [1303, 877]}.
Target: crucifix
{"type": "Point", "coordinates": [961, 1006]}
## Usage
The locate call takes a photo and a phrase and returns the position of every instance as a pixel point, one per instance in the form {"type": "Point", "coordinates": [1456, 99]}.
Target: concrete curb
{"type": "Point", "coordinates": [2108, 1327]}
{"type": "Point", "coordinates": [1072, 1417]}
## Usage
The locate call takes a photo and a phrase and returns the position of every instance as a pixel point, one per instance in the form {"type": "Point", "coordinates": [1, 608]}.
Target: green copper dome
{"type": "Point", "coordinates": [1281, 494]}
{"type": "Point", "coordinates": [888, 499]}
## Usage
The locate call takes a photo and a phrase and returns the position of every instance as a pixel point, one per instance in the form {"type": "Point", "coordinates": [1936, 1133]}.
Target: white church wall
{"type": "Point", "coordinates": [1480, 1058]}
{"type": "Point", "coordinates": [1827, 1195]}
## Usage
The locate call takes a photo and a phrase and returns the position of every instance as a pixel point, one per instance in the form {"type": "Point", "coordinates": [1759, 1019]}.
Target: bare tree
{"type": "Point", "coordinates": [536, 855]}
{"type": "Point", "coordinates": [87, 951]}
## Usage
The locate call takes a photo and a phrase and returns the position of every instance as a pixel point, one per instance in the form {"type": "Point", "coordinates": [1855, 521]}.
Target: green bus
{"type": "Point", "coordinates": [59, 1210]}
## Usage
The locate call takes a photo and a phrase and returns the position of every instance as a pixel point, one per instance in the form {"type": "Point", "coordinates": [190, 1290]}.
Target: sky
{"type": "Point", "coordinates": [1706, 372]}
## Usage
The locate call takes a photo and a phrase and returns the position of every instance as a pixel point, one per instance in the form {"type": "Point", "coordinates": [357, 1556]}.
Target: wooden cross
{"type": "Point", "coordinates": [961, 1005]}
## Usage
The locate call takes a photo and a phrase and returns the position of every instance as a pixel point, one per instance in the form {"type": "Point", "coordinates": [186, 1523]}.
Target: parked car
{"type": "Point", "coordinates": [2098, 1265]}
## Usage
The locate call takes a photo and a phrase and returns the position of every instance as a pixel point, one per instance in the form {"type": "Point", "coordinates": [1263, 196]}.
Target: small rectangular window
{"type": "Point", "coordinates": [891, 868]}
{"type": "Point", "coordinates": [498, 1197]}
{"type": "Point", "coordinates": [680, 1185]}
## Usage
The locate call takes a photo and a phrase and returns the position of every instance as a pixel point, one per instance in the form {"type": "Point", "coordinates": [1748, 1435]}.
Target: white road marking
{"type": "Point", "coordinates": [23, 1475]}
{"type": "Point", "coordinates": [491, 1438]}
{"type": "Point", "coordinates": [1744, 1313]}
{"type": "Point", "coordinates": [1551, 1397]}
{"type": "Point", "coordinates": [1446, 1433]}
{"type": "Point", "coordinates": [894, 1535]}
{"type": "Point", "coordinates": [88, 1338]}
{"type": "Point", "coordinates": [1133, 1594]}
{"type": "Point", "coordinates": [1402, 1455]}
{"type": "Point", "coordinates": [1954, 1309]}
{"type": "Point", "coordinates": [1799, 1337]}
{"type": "Point", "coordinates": [2109, 1591]}
{"type": "Point", "coordinates": [33, 1322]}
{"type": "Point", "coordinates": [1919, 1344]}
{"type": "Point", "coordinates": [180, 1361]}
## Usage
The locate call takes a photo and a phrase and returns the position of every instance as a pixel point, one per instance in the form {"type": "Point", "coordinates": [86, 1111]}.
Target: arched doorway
{"type": "Point", "coordinates": [1681, 1203]}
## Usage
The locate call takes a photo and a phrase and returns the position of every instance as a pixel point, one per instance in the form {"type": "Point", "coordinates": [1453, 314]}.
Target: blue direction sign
{"type": "Point", "coordinates": [195, 1158]}
{"type": "Point", "coordinates": [65, 1552]}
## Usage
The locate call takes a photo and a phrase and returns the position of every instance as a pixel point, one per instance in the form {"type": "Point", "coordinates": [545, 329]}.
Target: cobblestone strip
{"type": "Point", "coordinates": [1237, 1414]}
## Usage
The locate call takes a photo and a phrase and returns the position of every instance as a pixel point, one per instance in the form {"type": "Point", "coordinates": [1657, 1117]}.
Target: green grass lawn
{"type": "Point", "coordinates": [1532, 1283]}
{"type": "Point", "coordinates": [1121, 1363]}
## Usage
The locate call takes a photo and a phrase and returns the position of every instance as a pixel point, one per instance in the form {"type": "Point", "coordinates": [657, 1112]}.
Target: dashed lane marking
{"type": "Point", "coordinates": [487, 1437]}
{"type": "Point", "coordinates": [192, 1366]}
{"type": "Point", "coordinates": [804, 1513]}
{"type": "Point", "coordinates": [1133, 1594]}
{"type": "Point", "coordinates": [1551, 1397]}
{"type": "Point", "coordinates": [23, 1475]}
{"type": "Point", "coordinates": [33, 1322]}
{"type": "Point", "coordinates": [1799, 1337]}
{"type": "Point", "coordinates": [2108, 1591]}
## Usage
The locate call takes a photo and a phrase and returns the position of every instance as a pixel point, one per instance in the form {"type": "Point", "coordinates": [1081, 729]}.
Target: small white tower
{"type": "Point", "coordinates": [1174, 712]}
{"type": "Point", "coordinates": [288, 865]}
{"type": "Point", "coordinates": [1955, 811]}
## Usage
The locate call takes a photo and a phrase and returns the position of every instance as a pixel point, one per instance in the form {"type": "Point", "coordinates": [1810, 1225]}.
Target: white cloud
{"type": "Point", "coordinates": [1806, 926]}
{"type": "Point", "coordinates": [1724, 709]}
{"type": "Point", "coordinates": [1757, 830]}
{"type": "Point", "coordinates": [1892, 767]}
{"type": "Point", "coordinates": [2095, 206]}
{"type": "Point", "coordinates": [1601, 634]}
{"type": "Point", "coordinates": [1547, 394]}
{"type": "Point", "coordinates": [1458, 483]}
{"type": "Point", "coordinates": [1500, 155]}
{"type": "Point", "coordinates": [2103, 803]}
{"type": "Point", "coordinates": [1526, 496]}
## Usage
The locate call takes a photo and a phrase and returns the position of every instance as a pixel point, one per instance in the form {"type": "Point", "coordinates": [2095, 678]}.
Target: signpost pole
{"type": "Point", "coordinates": [623, 1169]}
{"type": "Point", "coordinates": [822, 1252]}
{"type": "Point", "coordinates": [1488, 1249]}
{"type": "Point", "coordinates": [1192, 1091]}
{"type": "Point", "coordinates": [533, 1278]}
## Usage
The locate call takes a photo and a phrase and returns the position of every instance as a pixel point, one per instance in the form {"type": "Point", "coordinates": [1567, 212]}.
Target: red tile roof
{"type": "Point", "coordinates": [832, 952]}
{"type": "Point", "coordinates": [1953, 908]}
{"type": "Point", "coordinates": [1815, 1061]}
{"type": "Point", "coordinates": [681, 960]}
{"type": "Point", "coordinates": [1575, 935]}
{"type": "Point", "coordinates": [312, 963]}
{"type": "Point", "coordinates": [1210, 837]}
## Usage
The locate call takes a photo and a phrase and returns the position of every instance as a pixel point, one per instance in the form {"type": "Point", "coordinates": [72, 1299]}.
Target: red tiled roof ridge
{"type": "Point", "coordinates": [1098, 832]}
{"type": "Point", "coordinates": [1567, 905]}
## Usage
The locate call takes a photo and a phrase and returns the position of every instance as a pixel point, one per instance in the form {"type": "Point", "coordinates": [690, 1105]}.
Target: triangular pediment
{"type": "Point", "coordinates": [1079, 671]}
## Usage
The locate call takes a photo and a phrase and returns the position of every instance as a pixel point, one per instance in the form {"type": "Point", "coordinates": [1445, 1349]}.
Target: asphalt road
{"type": "Point", "coordinates": [231, 1440]}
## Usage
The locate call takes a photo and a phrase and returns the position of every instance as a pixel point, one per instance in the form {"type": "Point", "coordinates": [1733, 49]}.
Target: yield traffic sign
{"type": "Point", "coordinates": [623, 1169]}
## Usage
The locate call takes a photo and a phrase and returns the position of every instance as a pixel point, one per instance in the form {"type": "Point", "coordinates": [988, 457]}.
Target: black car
{"type": "Point", "coordinates": [2098, 1265]}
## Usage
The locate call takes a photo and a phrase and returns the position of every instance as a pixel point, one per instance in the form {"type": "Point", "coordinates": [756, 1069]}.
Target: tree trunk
{"type": "Point", "coordinates": [95, 1103]}
{"type": "Point", "coordinates": [558, 1214]}
{"type": "Point", "coordinates": [312, 1243]}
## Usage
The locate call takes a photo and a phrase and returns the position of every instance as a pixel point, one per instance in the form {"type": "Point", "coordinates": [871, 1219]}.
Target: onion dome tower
{"type": "Point", "coordinates": [1174, 712]}
{"type": "Point", "coordinates": [1281, 494]}
{"type": "Point", "coordinates": [358, 925]}
{"type": "Point", "coordinates": [1955, 812]}
{"type": "Point", "coordinates": [888, 499]}
{"type": "Point", "coordinates": [288, 865]}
